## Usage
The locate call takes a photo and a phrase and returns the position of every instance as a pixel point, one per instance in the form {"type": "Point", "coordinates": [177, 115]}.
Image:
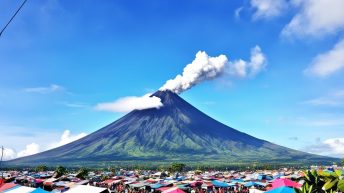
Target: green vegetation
{"type": "Point", "coordinates": [322, 182]}
{"type": "Point", "coordinates": [177, 167]}
{"type": "Point", "coordinates": [115, 166]}
{"type": "Point", "coordinates": [60, 171]}
{"type": "Point", "coordinates": [41, 168]}
{"type": "Point", "coordinates": [82, 173]}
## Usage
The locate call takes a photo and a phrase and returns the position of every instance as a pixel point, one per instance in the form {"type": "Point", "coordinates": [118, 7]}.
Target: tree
{"type": "Point", "coordinates": [83, 173]}
{"type": "Point", "coordinates": [162, 168]}
{"type": "Point", "coordinates": [343, 162]}
{"type": "Point", "coordinates": [41, 168]}
{"type": "Point", "coordinates": [177, 167]}
{"type": "Point", "coordinates": [60, 171]}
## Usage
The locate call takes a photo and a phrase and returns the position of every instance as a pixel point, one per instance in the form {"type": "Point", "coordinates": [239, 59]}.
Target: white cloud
{"type": "Point", "coordinates": [127, 104]}
{"type": "Point", "coordinates": [237, 12]}
{"type": "Point", "coordinates": [74, 105]}
{"type": "Point", "coordinates": [66, 137]}
{"type": "Point", "coordinates": [329, 62]}
{"type": "Point", "coordinates": [335, 99]}
{"type": "Point", "coordinates": [316, 18]}
{"type": "Point", "coordinates": [45, 90]}
{"type": "Point", "coordinates": [329, 147]}
{"type": "Point", "coordinates": [34, 148]}
{"type": "Point", "coordinates": [266, 9]}
{"type": "Point", "coordinates": [241, 68]}
{"type": "Point", "coordinates": [9, 154]}
{"type": "Point", "coordinates": [30, 149]}
{"type": "Point", "coordinates": [315, 121]}
{"type": "Point", "coordinates": [322, 122]}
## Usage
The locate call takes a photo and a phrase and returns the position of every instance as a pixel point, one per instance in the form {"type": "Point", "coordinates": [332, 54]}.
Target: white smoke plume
{"type": "Point", "coordinates": [205, 67]}
{"type": "Point", "coordinates": [242, 69]}
{"type": "Point", "coordinates": [127, 104]}
{"type": "Point", "coordinates": [202, 68]}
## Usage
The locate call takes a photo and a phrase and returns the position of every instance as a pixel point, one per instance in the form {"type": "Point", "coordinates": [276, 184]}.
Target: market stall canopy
{"type": "Point", "coordinates": [237, 180]}
{"type": "Point", "coordinates": [253, 190]}
{"type": "Point", "coordinates": [8, 186]}
{"type": "Point", "coordinates": [139, 185]}
{"type": "Point", "coordinates": [86, 189]}
{"type": "Point", "coordinates": [39, 190]}
{"type": "Point", "coordinates": [282, 189]}
{"type": "Point", "coordinates": [250, 183]}
{"type": "Point", "coordinates": [284, 182]}
{"type": "Point", "coordinates": [173, 190]}
{"type": "Point", "coordinates": [156, 186]}
{"type": "Point", "coordinates": [20, 189]}
{"type": "Point", "coordinates": [217, 183]}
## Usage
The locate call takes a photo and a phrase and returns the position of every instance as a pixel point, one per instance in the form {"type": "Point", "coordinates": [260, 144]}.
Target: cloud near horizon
{"type": "Point", "coordinates": [30, 149]}
{"type": "Point", "coordinates": [329, 147]}
{"type": "Point", "coordinates": [34, 148]}
{"type": "Point", "coordinates": [66, 138]}
{"type": "Point", "coordinates": [334, 99]}
{"type": "Point", "coordinates": [129, 103]}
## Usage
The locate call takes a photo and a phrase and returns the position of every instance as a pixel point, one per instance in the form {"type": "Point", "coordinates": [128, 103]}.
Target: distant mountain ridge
{"type": "Point", "coordinates": [175, 132]}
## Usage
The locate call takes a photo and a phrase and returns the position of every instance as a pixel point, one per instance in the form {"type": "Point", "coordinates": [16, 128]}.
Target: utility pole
{"type": "Point", "coordinates": [2, 155]}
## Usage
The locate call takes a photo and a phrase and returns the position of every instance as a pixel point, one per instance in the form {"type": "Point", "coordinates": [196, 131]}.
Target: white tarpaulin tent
{"type": "Point", "coordinates": [21, 189]}
{"type": "Point", "coordinates": [252, 190]}
{"type": "Point", "coordinates": [86, 189]}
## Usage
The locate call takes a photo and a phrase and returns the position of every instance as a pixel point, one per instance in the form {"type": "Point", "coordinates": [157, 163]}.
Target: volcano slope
{"type": "Point", "coordinates": [175, 132]}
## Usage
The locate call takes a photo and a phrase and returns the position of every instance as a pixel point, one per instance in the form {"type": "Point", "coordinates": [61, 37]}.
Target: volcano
{"type": "Point", "coordinates": [175, 132]}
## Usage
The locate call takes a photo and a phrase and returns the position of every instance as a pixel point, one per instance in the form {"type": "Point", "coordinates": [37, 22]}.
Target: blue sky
{"type": "Point", "coordinates": [59, 59]}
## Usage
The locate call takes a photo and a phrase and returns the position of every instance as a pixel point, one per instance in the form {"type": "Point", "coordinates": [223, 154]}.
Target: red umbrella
{"type": "Point", "coordinates": [7, 186]}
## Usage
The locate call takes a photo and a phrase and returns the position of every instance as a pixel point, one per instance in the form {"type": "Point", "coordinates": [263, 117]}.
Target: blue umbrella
{"type": "Point", "coordinates": [282, 189]}
{"type": "Point", "coordinates": [249, 184]}
{"type": "Point", "coordinates": [156, 186]}
{"type": "Point", "coordinates": [39, 190]}
{"type": "Point", "coordinates": [237, 180]}
{"type": "Point", "coordinates": [217, 183]}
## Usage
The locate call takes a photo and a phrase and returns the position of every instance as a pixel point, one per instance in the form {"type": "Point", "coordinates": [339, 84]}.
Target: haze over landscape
{"type": "Point", "coordinates": [203, 81]}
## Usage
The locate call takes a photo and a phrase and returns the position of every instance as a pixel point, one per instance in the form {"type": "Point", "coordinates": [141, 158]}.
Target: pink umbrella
{"type": "Point", "coordinates": [173, 190]}
{"type": "Point", "coordinates": [285, 182]}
